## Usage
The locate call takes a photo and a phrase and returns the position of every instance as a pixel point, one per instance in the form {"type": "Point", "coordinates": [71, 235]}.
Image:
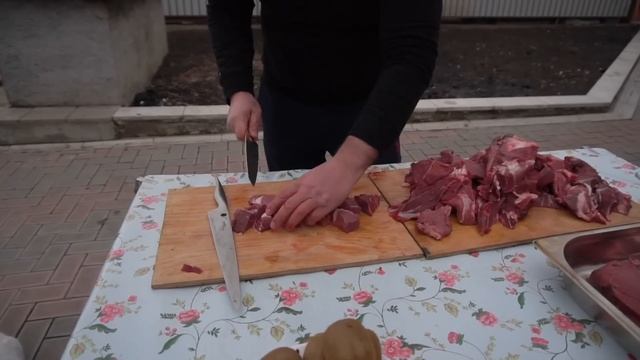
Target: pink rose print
{"type": "Point", "coordinates": [303, 284]}
{"type": "Point", "coordinates": [110, 312]}
{"type": "Point", "coordinates": [290, 297]}
{"type": "Point", "coordinates": [618, 184]}
{"type": "Point", "coordinates": [150, 200]}
{"type": "Point", "coordinates": [330, 271]}
{"type": "Point", "coordinates": [380, 271]}
{"type": "Point", "coordinates": [132, 299]}
{"type": "Point", "coordinates": [222, 288]}
{"type": "Point", "coordinates": [455, 267]}
{"type": "Point", "coordinates": [474, 253]}
{"type": "Point", "coordinates": [188, 317]}
{"type": "Point", "coordinates": [232, 180]}
{"type": "Point", "coordinates": [515, 278]}
{"type": "Point", "coordinates": [536, 330]}
{"type": "Point", "coordinates": [448, 277]}
{"type": "Point", "coordinates": [117, 254]}
{"type": "Point", "coordinates": [539, 342]}
{"type": "Point", "coordinates": [516, 260]}
{"type": "Point", "coordinates": [362, 297]}
{"type": "Point", "coordinates": [395, 349]}
{"type": "Point", "coordinates": [564, 323]}
{"type": "Point", "coordinates": [168, 331]}
{"type": "Point", "coordinates": [353, 313]}
{"type": "Point", "coordinates": [486, 318]}
{"type": "Point", "coordinates": [629, 166]}
{"type": "Point", "coordinates": [149, 225]}
{"type": "Point", "coordinates": [455, 338]}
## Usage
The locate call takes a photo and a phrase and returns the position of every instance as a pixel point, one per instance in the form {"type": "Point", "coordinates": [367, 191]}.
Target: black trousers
{"type": "Point", "coordinates": [297, 135]}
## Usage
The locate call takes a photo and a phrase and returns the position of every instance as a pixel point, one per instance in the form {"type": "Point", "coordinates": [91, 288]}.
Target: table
{"type": "Point", "coordinates": [500, 304]}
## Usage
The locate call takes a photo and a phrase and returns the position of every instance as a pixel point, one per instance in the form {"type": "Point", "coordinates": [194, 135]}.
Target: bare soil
{"type": "Point", "coordinates": [474, 61]}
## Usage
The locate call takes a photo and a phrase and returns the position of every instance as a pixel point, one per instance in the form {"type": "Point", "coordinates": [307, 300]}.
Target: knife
{"type": "Point", "coordinates": [251, 158]}
{"type": "Point", "coordinates": [220, 223]}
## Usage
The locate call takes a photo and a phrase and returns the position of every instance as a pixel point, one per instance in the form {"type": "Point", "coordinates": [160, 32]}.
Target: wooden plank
{"type": "Point", "coordinates": [186, 239]}
{"type": "Point", "coordinates": [539, 223]}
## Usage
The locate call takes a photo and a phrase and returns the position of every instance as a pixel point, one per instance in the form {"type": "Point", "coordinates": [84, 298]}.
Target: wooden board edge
{"type": "Point", "coordinates": [199, 282]}
{"type": "Point", "coordinates": [429, 255]}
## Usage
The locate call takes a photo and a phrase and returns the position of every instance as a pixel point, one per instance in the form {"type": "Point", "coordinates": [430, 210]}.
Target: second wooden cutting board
{"type": "Point", "coordinates": [539, 223]}
{"type": "Point", "coordinates": [186, 239]}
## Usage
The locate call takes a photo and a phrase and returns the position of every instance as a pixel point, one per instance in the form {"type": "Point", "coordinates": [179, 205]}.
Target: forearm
{"type": "Point", "coordinates": [356, 154]}
{"type": "Point", "coordinates": [232, 40]}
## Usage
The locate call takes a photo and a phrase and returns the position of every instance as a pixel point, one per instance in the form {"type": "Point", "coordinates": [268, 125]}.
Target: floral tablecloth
{"type": "Point", "coordinates": [500, 304]}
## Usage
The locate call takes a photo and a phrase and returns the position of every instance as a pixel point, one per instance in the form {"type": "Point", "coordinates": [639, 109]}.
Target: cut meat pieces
{"type": "Point", "coordinates": [351, 205]}
{"type": "Point", "coordinates": [582, 202]}
{"type": "Point", "coordinates": [263, 223]}
{"type": "Point", "coordinates": [345, 220]}
{"type": "Point", "coordinates": [435, 223]}
{"type": "Point", "coordinates": [502, 182]}
{"type": "Point", "coordinates": [243, 219]}
{"type": "Point", "coordinates": [368, 203]}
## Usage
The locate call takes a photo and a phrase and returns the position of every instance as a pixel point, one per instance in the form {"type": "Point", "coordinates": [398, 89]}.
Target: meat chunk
{"type": "Point", "coordinates": [368, 203]}
{"type": "Point", "coordinates": [263, 223]}
{"type": "Point", "coordinates": [546, 200]}
{"type": "Point", "coordinates": [618, 282]}
{"type": "Point", "coordinates": [623, 205]}
{"type": "Point", "coordinates": [584, 172]}
{"type": "Point", "coordinates": [345, 220]}
{"type": "Point", "coordinates": [487, 215]}
{"type": "Point", "coordinates": [435, 223]}
{"type": "Point", "coordinates": [581, 201]}
{"type": "Point", "coordinates": [351, 205]}
{"type": "Point", "coordinates": [243, 219]}
{"type": "Point", "coordinates": [261, 199]}
{"type": "Point", "coordinates": [464, 203]}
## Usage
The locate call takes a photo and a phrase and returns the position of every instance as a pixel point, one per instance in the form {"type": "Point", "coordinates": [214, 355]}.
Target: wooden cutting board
{"type": "Point", "coordinates": [186, 239]}
{"type": "Point", "coordinates": [539, 223]}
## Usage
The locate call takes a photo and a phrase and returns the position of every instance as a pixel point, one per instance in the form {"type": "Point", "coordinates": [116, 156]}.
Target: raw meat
{"type": "Point", "coordinates": [261, 199]}
{"type": "Point", "coordinates": [368, 203]}
{"type": "Point", "coordinates": [502, 182]}
{"type": "Point", "coordinates": [351, 205]}
{"type": "Point", "coordinates": [191, 269]}
{"type": "Point", "coordinates": [435, 223]}
{"type": "Point", "coordinates": [345, 220]}
{"type": "Point", "coordinates": [242, 220]}
{"type": "Point", "coordinates": [263, 223]}
{"type": "Point", "coordinates": [618, 282]}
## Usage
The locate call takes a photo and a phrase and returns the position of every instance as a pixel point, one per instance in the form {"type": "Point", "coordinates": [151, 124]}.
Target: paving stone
{"type": "Point", "coordinates": [85, 281]}
{"type": "Point", "coordinates": [57, 308]}
{"type": "Point", "coordinates": [77, 237]}
{"type": "Point", "coordinates": [22, 236]}
{"type": "Point", "coordinates": [93, 246]}
{"type": "Point", "coordinates": [95, 258]}
{"type": "Point", "coordinates": [31, 336]}
{"type": "Point", "coordinates": [67, 269]}
{"type": "Point", "coordinates": [52, 348]}
{"type": "Point", "coordinates": [62, 326]}
{"type": "Point", "coordinates": [15, 267]}
{"type": "Point", "coordinates": [6, 296]}
{"type": "Point", "coordinates": [95, 113]}
{"type": "Point", "coordinates": [14, 316]}
{"type": "Point", "coordinates": [24, 280]}
{"type": "Point", "coordinates": [41, 293]}
{"type": "Point", "coordinates": [51, 257]}
{"type": "Point", "coordinates": [48, 113]}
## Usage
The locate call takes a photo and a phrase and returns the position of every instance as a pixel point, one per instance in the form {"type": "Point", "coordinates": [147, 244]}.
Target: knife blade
{"type": "Point", "coordinates": [223, 240]}
{"type": "Point", "coordinates": [251, 158]}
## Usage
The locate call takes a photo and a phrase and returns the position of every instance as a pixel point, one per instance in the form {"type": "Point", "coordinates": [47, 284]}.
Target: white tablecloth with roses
{"type": "Point", "coordinates": [501, 304]}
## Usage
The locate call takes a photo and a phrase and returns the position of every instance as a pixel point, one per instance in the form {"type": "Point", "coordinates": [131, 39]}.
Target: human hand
{"type": "Point", "coordinates": [245, 115]}
{"type": "Point", "coordinates": [323, 188]}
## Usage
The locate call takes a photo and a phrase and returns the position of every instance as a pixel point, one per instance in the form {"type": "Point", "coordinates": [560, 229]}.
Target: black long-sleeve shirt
{"type": "Point", "coordinates": [382, 53]}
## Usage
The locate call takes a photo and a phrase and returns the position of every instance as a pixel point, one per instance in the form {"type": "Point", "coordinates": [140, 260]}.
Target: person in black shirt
{"type": "Point", "coordinates": [339, 76]}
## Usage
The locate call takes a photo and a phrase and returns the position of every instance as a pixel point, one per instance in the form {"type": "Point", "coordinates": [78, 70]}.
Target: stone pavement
{"type": "Point", "coordinates": [60, 210]}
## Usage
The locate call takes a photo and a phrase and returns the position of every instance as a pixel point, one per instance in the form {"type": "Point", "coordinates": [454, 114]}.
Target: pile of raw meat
{"type": "Point", "coordinates": [345, 217]}
{"type": "Point", "coordinates": [501, 184]}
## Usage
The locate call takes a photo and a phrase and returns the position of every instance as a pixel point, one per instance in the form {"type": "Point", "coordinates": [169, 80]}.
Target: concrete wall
{"type": "Point", "coordinates": [79, 52]}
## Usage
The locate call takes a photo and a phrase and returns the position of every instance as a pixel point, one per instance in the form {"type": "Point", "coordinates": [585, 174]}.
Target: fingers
{"type": "Point", "coordinates": [316, 215]}
{"type": "Point", "coordinates": [283, 196]}
{"type": "Point", "coordinates": [238, 123]}
{"type": "Point", "coordinates": [282, 216]}
{"type": "Point", "coordinates": [300, 213]}
{"type": "Point", "coordinates": [255, 122]}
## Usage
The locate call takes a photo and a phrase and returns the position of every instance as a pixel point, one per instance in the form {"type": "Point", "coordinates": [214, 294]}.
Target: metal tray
{"type": "Point", "coordinates": [577, 255]}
